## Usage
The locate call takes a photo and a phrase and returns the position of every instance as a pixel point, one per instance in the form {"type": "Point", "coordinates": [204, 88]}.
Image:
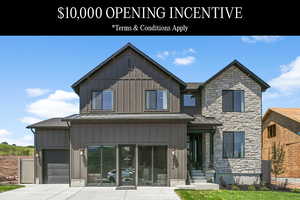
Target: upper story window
{"type": "Point", "coordinates": [233, 101]}
{"type": "Point", "coordinates": [272, 131]}
{"type": "Point", "coordinates": [102, 100]}
{"type": "Point", "coordinates": [233, 144]}
{"type": "Point", "coordinates": [156, 100]}
{"type": "Point", "coordinates": [189, 100]}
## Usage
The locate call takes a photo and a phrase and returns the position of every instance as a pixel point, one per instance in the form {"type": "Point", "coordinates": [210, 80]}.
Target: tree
{"type": "Point", "coordinates": [278, 156]}
{"type": "Point", "coordinates": [4, 143]}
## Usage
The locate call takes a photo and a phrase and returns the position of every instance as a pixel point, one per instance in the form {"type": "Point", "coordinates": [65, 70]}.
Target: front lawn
{"type": "Point", "coordinates": [236, 195]}
{"type": "Point", "coordinates": [4, 188]}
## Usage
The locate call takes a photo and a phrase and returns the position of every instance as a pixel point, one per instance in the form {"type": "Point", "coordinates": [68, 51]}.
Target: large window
{"type": "Point", "coordinates": [272, 131]}
{"type": "Point", "coordinates": [101, 166]}
{"type": "Point", "coordinates": [156, 100]}
{"type": "Point", "coordinates": [233, 144]}
{"type": "Point", "coordinates": [102, 100]}
{"type": "Point", "coordinates": [189, 100]}
{"type": "Point", "coordinates": [152, 165]}
{"type": "Point", "coordinates": [233, 101]}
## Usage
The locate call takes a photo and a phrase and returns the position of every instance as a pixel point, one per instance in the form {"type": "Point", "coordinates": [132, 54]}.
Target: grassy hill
{"type": "Point", "coordinates": [12, 150]}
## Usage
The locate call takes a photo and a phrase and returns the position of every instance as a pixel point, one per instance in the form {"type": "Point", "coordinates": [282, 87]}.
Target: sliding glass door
{"type": "Point", "coordinates": [145, 165]}
{"type": "Point", "coordinates": [101, 166]}
{"type": "Point", "coordinates": [127, 165]}
{"type": "Point", "coordinates": [160, 165]}
{"type": "Point", "coordinates": [152, 165]}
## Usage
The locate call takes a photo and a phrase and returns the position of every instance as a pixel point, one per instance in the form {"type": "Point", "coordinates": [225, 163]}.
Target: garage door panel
{"type": "Point", "coordinates": [58, 179]}
{"type": "Point", "coordinates": [56, 166]}
{"type": "Point", "coordinates": [58, 172]}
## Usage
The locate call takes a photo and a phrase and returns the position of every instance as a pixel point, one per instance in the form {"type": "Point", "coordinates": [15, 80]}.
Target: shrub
{"type": "Point", "coordinates": [251, 188]}
{"type": "Point", "coordinates": [222, 182]}
{"type": "Point", "coordinates": [210, 180]}
{"type": "Point", "coordinates": [295, 190]}
{"type": "Point", "coordinates": [264, 188]}
{"type": "Point", "coordinates": [235, 187]}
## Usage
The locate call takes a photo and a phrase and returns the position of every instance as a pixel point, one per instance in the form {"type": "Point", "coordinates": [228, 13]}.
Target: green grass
{"type": "Point", "coordinates": [236, 195]}
{"type": "Point", "coordinates": [4, 188]}
{"type": "Point", "coordinates": [9, 150]}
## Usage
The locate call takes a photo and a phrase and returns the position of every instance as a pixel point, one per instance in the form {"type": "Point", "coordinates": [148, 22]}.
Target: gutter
{"type": "Point", "coordinates": [69, 136]}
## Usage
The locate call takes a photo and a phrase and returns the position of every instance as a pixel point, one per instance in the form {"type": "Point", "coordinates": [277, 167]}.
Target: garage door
{"type": "Point", "coordinates": [56, 166]}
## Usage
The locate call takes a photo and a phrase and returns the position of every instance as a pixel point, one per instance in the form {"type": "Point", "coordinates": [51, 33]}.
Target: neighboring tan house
{"type": "Point", "coordinates": [282, 126]}
{"type": "Point", "coordinates": [139, 124]}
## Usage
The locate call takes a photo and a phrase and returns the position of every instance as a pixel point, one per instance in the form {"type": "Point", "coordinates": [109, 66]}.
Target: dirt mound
{"type": "Point", "coordinates": [9, 167]}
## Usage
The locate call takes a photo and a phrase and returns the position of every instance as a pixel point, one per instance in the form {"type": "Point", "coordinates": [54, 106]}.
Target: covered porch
{"type": "Point", "coordinates": [200, 146]}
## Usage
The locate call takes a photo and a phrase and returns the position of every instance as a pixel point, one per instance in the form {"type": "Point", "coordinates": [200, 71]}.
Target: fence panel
{"type": "Point", "coordinates": [26, 167]}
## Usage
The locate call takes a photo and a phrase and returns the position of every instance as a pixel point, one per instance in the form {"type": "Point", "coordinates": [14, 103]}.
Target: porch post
{"type": "Point", "coordinates": [211, 139]}
{"type": "Point", "coordinates": [206, 150]}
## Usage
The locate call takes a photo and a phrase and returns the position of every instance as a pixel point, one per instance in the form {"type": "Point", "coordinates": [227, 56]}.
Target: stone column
{"type": "Point", "coordinates": [206, 152]}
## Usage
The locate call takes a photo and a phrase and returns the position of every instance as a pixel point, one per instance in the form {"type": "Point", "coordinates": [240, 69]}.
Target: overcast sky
{"type": "Point", "coordinates": [37, 72]}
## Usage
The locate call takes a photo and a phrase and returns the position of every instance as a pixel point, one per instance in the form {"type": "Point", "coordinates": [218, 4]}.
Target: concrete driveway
{"type": "Point", "coordinates": [64, 192]}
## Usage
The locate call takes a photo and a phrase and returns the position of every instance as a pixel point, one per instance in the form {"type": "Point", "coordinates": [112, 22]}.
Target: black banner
{"type": "Point", "coordinates": [206, 17]}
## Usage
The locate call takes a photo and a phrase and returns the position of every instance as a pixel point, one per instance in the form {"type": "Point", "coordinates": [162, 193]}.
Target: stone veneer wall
{"type": "Point", "coordinates": [245, 170]}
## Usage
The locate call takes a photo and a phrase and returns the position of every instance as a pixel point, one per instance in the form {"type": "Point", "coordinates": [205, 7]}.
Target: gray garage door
{"type": "Point", "coordinates": [56, 166]}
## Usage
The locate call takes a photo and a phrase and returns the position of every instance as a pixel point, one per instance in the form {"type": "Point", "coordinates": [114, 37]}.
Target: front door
{"type": "Point", "coordinates": [127, 162]}
{"type": "Point", "coordinates": [195, 151]}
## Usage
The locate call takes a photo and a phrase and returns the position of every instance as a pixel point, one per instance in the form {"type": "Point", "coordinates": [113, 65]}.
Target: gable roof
{"type": "Point", "coordinates": [292, 113]}
{"type": "Point", "coordinates": [128, 45]}
{"type": "Point", "coordinates": [244, 69]}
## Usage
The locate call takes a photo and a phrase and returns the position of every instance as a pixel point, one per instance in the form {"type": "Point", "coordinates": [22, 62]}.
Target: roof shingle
{"type": "Point", "coordinates": [193, 85]}
{"type": "Point", "coordinates": [175, 116]}
{"type": "Point", "coordinates": [292, 113]}
{"type": "Point", "coordinates": [50, 123]}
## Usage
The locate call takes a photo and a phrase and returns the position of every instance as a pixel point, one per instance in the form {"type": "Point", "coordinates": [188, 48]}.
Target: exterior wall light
{"type": "Point", "coordinates": [173, 153]}
{"type": "Point", "coordinates": [37, 155]}
{"type": "Point", "coordinates": [81, 152]}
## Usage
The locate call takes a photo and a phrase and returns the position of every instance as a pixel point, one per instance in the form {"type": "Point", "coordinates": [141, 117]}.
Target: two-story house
{"type": "Point", "coordinates": [140, 125]}
{"type": "Point", "coordinates": [281, 127]}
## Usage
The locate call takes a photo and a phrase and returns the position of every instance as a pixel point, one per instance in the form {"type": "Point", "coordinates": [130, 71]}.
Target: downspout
{"type": "Point", "coordinates": [34, 157]}
{"type": "Point", "coordinates": [69, 136]}
{"type": "Point", "coordinates": [261, 134]}
{"type": "Point", "coordinates": [261, 129]}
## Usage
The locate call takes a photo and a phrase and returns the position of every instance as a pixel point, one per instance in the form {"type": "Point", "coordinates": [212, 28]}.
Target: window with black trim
{"type": "Point", "coordinates": [102, 100]}
{"type": "Point", "coordinates": [189, 100]}
{"type": "Point", "coordinates": [156, 100]}
{"type": "Point", "coordinates": [233, 144]}
{"type": "Point", "coordinates": [233, 101]}
{"type": "Point", "coordinates": [272, 131]}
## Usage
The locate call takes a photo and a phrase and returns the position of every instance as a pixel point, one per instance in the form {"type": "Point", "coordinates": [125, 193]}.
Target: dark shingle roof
{"type": "Point", "coordinates": [244, 69]}
{"type": "Point", "coordinates": [199, 119]}
{"type": "Point", "coordinates": [193, 85]}
{"type": "Point", "coordinates": [50, 123]}
{"type": "Point", "coordinates": [179, 116]}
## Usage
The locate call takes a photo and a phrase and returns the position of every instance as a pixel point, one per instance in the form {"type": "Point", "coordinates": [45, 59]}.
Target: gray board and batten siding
{"type": "Point", "coordinates": [144, 133]}
{"type": "Point", "coordinates": [129, 84]}
{"type": "Point", "coordinates": [49, 135]}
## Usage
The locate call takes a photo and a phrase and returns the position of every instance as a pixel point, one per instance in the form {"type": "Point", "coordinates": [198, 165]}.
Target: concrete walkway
{"type": "Point", "coordinates": [64, 192]}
